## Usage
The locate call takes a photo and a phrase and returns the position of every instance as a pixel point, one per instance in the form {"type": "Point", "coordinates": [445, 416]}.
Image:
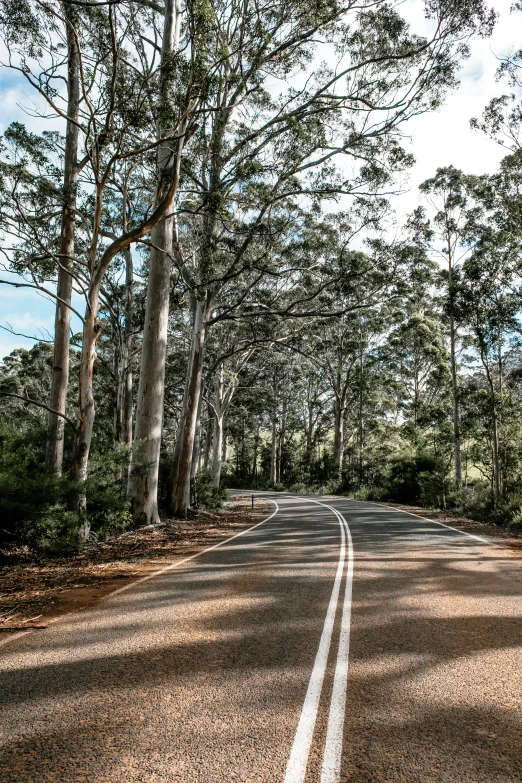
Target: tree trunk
{"type": "Point", "coordinates": [497, 473]}
{"type": "Point", "coordinates": [122, 363]}
{"type": "Point", "coordinates": [118, 378]}
{"type": "Point", "coordinates": [179, 483]}
{"type": "Point", "coordinates": [208, 437]}
{"type": "Point", "coordinates": [217, 449]}
{"type": "Point", "coordinates": [124, 399]}
{"type": "Point", "coordinates": [256, 449]}
{"type": "Point", "coordinates": [143, 481]}
{"type": "Point", "coordinates": [85, 424]}
{"type": "Point", "coordinates": [62, 323]}
{"type": "Point", "coordinates": [197, 439]}
{"type": "Point", "coordinates": [273, 460]}
{"type": "Point", "coordinates": [361, 416]}
{"type": "Point", "coordinates": [338, 437]}
{"type": "Point", "coordinates": [456, 407]}
{"type": "Point", "coordinates": [217, 440]}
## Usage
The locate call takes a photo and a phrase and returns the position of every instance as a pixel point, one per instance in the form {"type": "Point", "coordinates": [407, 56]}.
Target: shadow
{"type": "Point", "coordinates": [200, 673]}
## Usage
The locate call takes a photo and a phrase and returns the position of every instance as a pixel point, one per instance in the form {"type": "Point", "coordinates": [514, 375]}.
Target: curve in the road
{"type": "Point", "coordinates": [298, 761]}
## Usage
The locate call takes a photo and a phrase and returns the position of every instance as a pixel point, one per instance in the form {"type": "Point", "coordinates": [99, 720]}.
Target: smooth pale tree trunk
{"type": "Point", "coordinates": [143, 483]}
{"type": "Point", "coordinates": [281, 444]}
{"type": "Point", "coordinates": [217, 439]}
{"type": "Point", "coordinates": [496, 457]}
{"type": "Point", "coordinates": [495, 446]}
{"type": "Point", "coordinates": [454, 379]}
{"type": "Point", "coordinates": [197, 444]}
{"type": "Point", "coordinates": [62, 323]}
{"type": "Point", "coordinates": [361, 421]}
{"type": "Point", "coordinates": [123, 428]}
{"type": "Point", "coordinates": [217, 449]}
{"type": "Point", "coordinates": [338, 450]}
{"type": "Point", "coordinates": [143, 480]}
{"type": "Point", "coordinates": [208, 437]}
{"type": "Point", "coordinates": [179, 483]}
{"type": "Point", "coordinates": [221, 403]}
{"type": "Point", "coordinates": [273, 458]}
{"type": "Point", "coordinates": [85, 424]}
{"type": "Point", "coordinates": [456, 407]}
{"type": "Point", "coordinates": [256, 450]}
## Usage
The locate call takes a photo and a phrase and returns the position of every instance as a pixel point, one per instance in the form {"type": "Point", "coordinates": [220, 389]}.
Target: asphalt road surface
{"type": "Point", "coordinates": [264, 660]}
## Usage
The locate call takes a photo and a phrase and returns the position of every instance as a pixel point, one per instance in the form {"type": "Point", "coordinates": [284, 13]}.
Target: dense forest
{"type": "Point", "coordinates": [236, 303]}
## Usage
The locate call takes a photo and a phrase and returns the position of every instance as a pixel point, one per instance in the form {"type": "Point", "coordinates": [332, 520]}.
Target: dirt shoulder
{"type": "Point", "coordinates": [32, 592]}
{"type": "Point", "coordinates": [489, 531]}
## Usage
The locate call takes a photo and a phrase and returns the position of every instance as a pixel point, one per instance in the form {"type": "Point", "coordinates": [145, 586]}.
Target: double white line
{"type": "Point", "coordinates": [331, 769]}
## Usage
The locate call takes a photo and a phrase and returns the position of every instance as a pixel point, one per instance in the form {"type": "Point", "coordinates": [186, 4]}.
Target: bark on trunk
{"type": "Point", "coordinates": [256, 449]}
{"type": "Point", "coordinates": [338, 437]}
{"type": "Point", "coordinates": [456, 407]}
{"type": "Point", "coordinates": [179, 483]}
{"type": "Point", "coordinates": [85, 424]}
{"type": "Point", "coordinates": [197, 439]}
{"type": "Point", "coordinates": [217, 440]}
{"type": "Point", "coordinates": [273, 459]}
{"type": "Point", "coordinates": [495, 447]}
{"type": "Point", "coordinates": [208, 437]}
{"type": "Point", "coordinates": [60, 374]}
{"type": "Point", "coordinates": [143, 481]}
{"type": "Point", "coordinates": [454, 378]}
{"type": "Point", "coordinates": [123, 429]}
{"type": "Point", "coordinates": [217, 450]}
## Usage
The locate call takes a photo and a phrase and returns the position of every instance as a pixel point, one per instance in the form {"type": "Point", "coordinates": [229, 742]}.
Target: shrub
{"type": "Point", "coordinates": [300, 488]}
{"type": "Point", "coordinates": [377, 494]}
{"type": "Point", "coordinates": [415, 479]}
{"type": "Point", "coordinates": [205, 494]}
{"type": "Point", "coordinates": [108, 507]}
{"type": "Point", "coordinates": [35, 503]}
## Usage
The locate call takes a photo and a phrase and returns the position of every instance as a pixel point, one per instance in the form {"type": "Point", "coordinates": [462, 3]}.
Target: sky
{"type": "Point", "coordinates": [440, 138]}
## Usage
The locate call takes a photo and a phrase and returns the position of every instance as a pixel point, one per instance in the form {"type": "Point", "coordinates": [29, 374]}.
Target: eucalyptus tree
{"type": "Point", "coordinates": [489, 303]}
{"type": "Point", "coordinates": [118, 82]}
{"type": "Point", "coordinates": [255, 149]}
{"type": "Point", "coordinates": [30, 31]}
{"type": "Point", "coordinates": [449, 236]}
{"type": "Point", "coordinates": [233, 355]}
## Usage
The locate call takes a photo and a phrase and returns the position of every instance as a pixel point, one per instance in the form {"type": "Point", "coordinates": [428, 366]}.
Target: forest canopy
{"type": "Point", "coordinates": [214, 213]}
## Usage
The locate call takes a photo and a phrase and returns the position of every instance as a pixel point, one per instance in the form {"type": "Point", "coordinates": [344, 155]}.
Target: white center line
{"type": "Point", "coordinates": [297, 763]}
{"type": "Point", "coordinates": [331, 770]}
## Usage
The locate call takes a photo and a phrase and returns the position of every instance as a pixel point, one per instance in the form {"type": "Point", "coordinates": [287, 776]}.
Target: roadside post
{"type": "Point", "coordinates": [252, 501]}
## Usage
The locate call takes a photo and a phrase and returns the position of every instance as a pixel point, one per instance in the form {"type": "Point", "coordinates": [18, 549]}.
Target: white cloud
{"type": "Point", "coordinates": [444, 137]}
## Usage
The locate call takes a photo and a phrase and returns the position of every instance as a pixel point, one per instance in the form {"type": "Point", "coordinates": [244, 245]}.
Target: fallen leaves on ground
{"type": "Point", "coordinates": [33, 589]}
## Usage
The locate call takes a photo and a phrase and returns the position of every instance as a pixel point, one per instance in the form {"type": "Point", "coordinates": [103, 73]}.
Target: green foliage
{"type": "Point", "coordinates": [35, 502]}
{"type": "Point", "coordinates": [107, 503]}
{"type": "Point", "coordinates": [205, 494]}
{"type": "Point", "coordinates": [278, 487]}
{"type": "Point", "coordinates": [415, 479]}
{"type": "Point", "coordinates": [28, 490]}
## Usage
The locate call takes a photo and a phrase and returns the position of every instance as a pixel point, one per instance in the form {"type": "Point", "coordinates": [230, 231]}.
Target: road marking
{"type": "Point", "coordinates": [296, 767]}
{"type": "Point", "coordinates": [151, 576]}
{"type": "Point", "coordinates": [297, 763]}
{"type": "Point", "coordinates": [331, 769]}
{"type": "Point", "coordinates": [434, 522]}
{"type": "Point", "coordinates": [191, 557]}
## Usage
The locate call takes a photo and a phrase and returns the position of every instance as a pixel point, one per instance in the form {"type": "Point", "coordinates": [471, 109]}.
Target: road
{"type": "Point", "coordinates": [233, 666]}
